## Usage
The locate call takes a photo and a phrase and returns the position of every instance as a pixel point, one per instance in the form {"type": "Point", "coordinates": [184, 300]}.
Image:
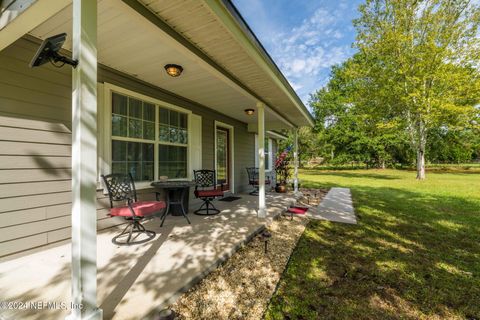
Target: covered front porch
{"type": "Point", "coordinates": [122, 49]}
{"type": "Point", "coordinates": [133, 281]}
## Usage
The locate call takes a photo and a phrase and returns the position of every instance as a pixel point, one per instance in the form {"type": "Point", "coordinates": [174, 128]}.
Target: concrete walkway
{"type": "Point", "coordinates": [336, 206]}
{"type": "Point", "coordinates": [135, 280]}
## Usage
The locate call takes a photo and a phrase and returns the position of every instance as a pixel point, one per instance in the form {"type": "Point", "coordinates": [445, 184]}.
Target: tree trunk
{"type": "Point", "coordinates": [418, 135]}
{"type": "Point", "coordinates": [420, 164]}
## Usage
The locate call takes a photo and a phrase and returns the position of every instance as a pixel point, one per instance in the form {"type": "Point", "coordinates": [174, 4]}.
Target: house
{"type": "Point", "coordinates": [128, 114]}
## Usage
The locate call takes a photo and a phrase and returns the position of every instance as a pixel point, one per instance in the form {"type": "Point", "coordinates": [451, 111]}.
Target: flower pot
{"type": "Point", "coordinates": [281, 188]}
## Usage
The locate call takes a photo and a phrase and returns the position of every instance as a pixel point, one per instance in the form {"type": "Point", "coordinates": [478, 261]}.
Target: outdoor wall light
{"type": "Point", "coordinates": [249, 112]}
{"type": "Point", "coordinates": [173, 70]}
{"type": "Point", "coordinates": [48, 51]}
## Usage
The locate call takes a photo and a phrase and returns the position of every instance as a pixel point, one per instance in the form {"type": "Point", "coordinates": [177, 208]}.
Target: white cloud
{"type": "Point", "coordinates": [306, 53]}
{"type": "Point", "coordinates": [296, 86]}
{"type": "Point", "coordinates": [298, 65]}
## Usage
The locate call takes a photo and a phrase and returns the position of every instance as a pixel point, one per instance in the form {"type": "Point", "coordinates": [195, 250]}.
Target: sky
{"type": "Point", "coordinates": [304, 37]}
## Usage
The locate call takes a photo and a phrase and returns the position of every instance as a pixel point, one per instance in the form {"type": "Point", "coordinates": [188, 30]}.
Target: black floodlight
{"type": "Point", "coordinates": [48, 51]}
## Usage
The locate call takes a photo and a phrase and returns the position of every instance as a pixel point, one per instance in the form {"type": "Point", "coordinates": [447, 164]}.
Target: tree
{"type": "Point", "coordinates": [309, 146]}
{"type": "Point", "coordinates": [449, 146]}
{"type": "Point", "coordinates": [348, 125]}
{"type": "Point", "coordinates": [420, 65]}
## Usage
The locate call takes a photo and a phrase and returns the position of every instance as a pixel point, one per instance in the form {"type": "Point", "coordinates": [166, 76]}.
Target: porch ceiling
{"type": "Point", "coordinates": [130, 43]}
{"type": "Point", "coordinates": [220, 32]}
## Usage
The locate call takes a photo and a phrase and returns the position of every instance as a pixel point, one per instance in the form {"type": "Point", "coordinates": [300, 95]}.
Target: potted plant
{"type": "Point", "coordinates": [283, 173]}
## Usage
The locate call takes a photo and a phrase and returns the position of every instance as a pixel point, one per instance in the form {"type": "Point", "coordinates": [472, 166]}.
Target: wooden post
{"type": "Point", "coordinates": [84, 162]}
{"type": "Point", "coordinates": [262, 211]}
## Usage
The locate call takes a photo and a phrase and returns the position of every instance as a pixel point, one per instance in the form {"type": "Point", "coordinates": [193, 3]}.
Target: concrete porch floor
{"type": "Point", "coordinates": [134, 280]}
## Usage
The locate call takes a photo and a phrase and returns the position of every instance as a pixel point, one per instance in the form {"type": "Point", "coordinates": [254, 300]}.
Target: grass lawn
{"type": "Point", "coordinates": [415, 253]}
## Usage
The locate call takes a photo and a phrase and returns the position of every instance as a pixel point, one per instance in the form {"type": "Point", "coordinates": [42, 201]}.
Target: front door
{"type": "Point", "coordinates": [223, 157]}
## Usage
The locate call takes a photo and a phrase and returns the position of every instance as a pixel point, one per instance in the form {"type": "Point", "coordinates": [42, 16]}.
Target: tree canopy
{"type": "Point", "coordinates": [412, 89]}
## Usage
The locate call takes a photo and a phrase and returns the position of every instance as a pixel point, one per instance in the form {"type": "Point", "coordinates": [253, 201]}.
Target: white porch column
{"type": "Point", "coordinates": [84, 162]}
{"type": "Point", "coordinates": [295, 161]}
{"type": "Point", "coordinates": [262, 211]}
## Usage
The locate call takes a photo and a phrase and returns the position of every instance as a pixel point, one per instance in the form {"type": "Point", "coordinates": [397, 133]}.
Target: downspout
{"type": "Point", "coordinates": [295, 161]}
{"type": "Point", "coordinates": [262, 212]}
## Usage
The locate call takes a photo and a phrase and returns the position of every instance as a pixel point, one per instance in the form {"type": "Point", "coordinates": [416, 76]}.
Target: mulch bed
{"type": "Point", "coordinates": [241, 288]}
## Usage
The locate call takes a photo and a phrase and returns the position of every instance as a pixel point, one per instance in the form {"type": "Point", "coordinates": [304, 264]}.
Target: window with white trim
{"type": "Point", "coordinates": [172, 144]}
{"type": "Point", "coordinates": [268, 153]}
{"type": "Point", "coordinates": [148, 139]}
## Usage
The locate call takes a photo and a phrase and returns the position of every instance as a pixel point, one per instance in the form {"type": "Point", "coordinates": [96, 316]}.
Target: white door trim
{"type": "Point", "coordinates": [231, 132]}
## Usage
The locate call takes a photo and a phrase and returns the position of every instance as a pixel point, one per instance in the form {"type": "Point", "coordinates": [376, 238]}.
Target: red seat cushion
{"type": "Point", "coordinates": [209, 193]}
{"type": "Point", "coordinates": [297, 210]}
{"type": "Point", "coordinates": [141, 208]}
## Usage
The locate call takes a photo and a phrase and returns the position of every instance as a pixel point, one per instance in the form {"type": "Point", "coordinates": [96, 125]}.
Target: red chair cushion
{"type": "Point", "coordinates": [209, 193]}
{"type": "Point", "coordinates": [297, 210]}
{"type": "Point", "coordinates": [141, 208]}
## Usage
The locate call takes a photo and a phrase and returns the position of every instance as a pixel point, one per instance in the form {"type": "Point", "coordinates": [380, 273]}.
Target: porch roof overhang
{"type": "Point", "coordinates": [225, 66]}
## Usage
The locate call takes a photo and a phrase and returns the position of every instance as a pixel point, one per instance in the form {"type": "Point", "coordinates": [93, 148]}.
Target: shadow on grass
{"type": "Point", "coordinates": [351, 174]}
{"type": "Point", "coordinates": [411, 256]}
{"type": "Point", "coordinates": [455, 170]}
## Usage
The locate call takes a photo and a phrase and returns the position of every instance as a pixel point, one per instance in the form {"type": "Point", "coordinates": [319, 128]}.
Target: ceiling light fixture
{"type": "Point", "coordinates": [249, 112]}
{"type": "Point", "coordinates": [173, 70]}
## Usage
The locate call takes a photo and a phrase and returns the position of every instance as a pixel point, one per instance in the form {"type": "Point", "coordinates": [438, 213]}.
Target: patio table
{"type": "Point", "coordinates": [176, 195]}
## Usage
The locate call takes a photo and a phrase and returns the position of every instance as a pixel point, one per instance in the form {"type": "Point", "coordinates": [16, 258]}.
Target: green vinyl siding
{"type": "Point", "coordinates": [35, 105]}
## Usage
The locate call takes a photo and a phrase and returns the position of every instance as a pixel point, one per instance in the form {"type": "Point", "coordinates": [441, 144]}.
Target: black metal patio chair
{"type": "Point", "coordinates": [253, 173]}
{"type": "Point", "coordinates": [206, 189]}
{"type": "Point", "coordinates": [121, 189]}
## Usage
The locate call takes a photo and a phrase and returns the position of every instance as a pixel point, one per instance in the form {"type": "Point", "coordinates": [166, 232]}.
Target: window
{"type": "Point", "coordinates": [133, 157]}
{"type": "Point", "coordinates": [268, 153]}
{"type": "Point", "coordinates": [172, 161]}
{"type": "Point", "coordinates": [173, 139]}
{"type": "Point", "coordinates": [148, 139]}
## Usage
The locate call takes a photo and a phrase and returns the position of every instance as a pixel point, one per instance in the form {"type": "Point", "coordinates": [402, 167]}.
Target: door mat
{"type": "Point", "coordinates": [230, 199]}
{"type": "Point", "coordinates": [297, 210]}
